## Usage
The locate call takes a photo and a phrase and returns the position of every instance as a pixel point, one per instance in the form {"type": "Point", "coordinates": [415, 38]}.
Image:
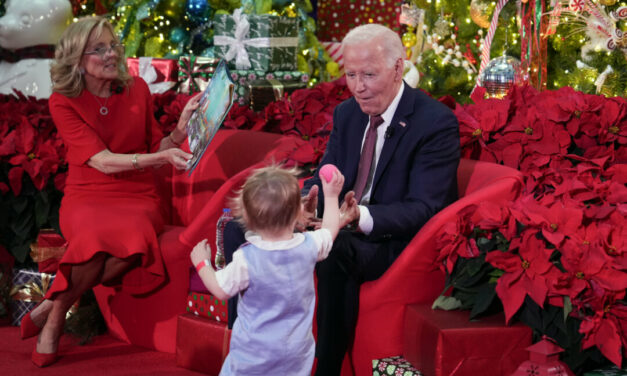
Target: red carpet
{"type": "Point", "coordinates": [103, 356]}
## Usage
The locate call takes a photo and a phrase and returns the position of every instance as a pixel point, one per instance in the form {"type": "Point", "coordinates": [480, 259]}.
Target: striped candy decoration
{"type": "Point", "coordinates": [485, 53]}
{"type": "Point", "coordinates": [334, 49]}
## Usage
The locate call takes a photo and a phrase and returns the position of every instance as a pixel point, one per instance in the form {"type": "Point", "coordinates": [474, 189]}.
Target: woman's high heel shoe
{"type": "Point", "coordinates": [27, 325]}
{"type": "Point", "coordinates": [44, 360]}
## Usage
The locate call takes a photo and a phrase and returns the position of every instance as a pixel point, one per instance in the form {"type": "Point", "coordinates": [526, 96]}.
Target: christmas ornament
{"type": "Point", "coordinates": [171, 8]}
{"type": "Point", "coordinates": [198, 11]}
{"type": "Point", "coordinates": [500, 75]}
{"type": "Point", "coordinates": [441, 27]}
{"type": "Point", "coordinates": [607, 3]}
{"type": "Point", "coordinates": [481, 11]}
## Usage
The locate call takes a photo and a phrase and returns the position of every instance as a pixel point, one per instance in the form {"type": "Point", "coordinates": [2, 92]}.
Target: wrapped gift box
{"type": "Point", "coordinates": [256, 42]}
{"type": "Point", "coordinates": [29, 288]}
{"type": "Point", "coordinates": [336, 18]}
{"type": "Point", "coordinates": [201, 344]}
{"type": "Point", "coordinates": [194, 73]}
{"type": "Point", "coordinates": [208, 306]}
{"type": "Point", "coordinates": [442, 343]}
{"type": "Point", "coordinates": [394, 366]}
{"type": "Point", "coordinates": [161, 75]}
{"type": "Point", "coordinates": [607, 371]}
{"type": "Point", "coordinates": [47, 250]}
{"type": "Point", "coordinates": [244, 78]}
{"type": "Point", "coordinates": [263, 92]}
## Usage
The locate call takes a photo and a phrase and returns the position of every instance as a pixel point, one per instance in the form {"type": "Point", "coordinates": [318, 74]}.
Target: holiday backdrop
{"type": "Point", "coordinates": [536, 85]}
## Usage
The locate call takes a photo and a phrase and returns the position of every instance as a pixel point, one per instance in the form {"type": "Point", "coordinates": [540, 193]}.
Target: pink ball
{"type": "Point", "coordinates": [327, 171]}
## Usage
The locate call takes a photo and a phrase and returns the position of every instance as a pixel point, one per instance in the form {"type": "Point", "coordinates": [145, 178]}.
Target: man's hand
{"type": "Point", "coordinates": [307, 215]}
{"type": "Point", "coordinates": [349, 211]}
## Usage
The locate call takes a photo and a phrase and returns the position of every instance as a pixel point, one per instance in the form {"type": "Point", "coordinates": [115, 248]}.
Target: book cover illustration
{"type": "Point", "coordinates": [215, 103]}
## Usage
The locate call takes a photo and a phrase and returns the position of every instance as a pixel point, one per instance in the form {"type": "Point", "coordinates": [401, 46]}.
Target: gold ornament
{"type": "Point", "coordinates": [481, 12]}
{"type": "Point", "coordinates": [172, 8]}
{"type": "Point", "coordinates": [312, 82]}
{"type": "Point", "coordinates": [409, 40]}
{"type": "Point", "coordinates": [607, 3]}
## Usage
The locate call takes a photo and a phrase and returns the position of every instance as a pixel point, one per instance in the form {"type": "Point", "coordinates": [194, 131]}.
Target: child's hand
{"type": "Point", "coordinates": [201, 251]}
{"type": "Point", "coordinates": [334, 187]}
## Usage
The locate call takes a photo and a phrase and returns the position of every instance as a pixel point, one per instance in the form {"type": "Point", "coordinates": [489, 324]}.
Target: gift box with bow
{"type": "Point", "coordinates": [29, 288]}
{"type": "Point", "coordinates": [161, 75]}
{"type": "Point", "coordinates": [256, 42]}
{"type": "Point", "coordinates": [47, 250]}
{"type": "Point", "coordinates": [194, 73]}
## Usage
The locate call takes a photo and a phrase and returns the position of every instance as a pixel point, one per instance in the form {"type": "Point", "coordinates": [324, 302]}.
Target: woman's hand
{"type": "Point", "coordinates": [176, 157]}
{"type": "Point", "coordinates": [202, 251]}
{"type": "Point", "coordinates": [188, 110]}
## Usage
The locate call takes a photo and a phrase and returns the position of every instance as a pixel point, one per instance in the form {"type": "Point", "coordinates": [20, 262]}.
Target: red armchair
{"type": "Point", "coordinates": [193, 204]}
{"type": "Point", "coordinates": [414, 277]}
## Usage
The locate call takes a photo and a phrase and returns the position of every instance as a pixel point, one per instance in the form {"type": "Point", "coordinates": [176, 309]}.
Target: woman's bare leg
{"type": "Point", "coordinates": [82, 278]}
{"type": "Point", "coordinates": [116, 267]}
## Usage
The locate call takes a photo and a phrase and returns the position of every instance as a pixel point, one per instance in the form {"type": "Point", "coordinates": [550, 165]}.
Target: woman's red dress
{"type": "Point", "coordinates": [118, 214]}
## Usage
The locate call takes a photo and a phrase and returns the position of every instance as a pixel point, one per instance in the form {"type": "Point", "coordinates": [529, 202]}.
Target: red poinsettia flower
{"type": "Point", "coordinates": [588, 262]}
{"type": "Point", "coordinates": [526, 273]}
{"type": "Point", "coordinates": [453, 240]}
{"type": "Point", "coordinates": [555, 221]}
{"type": "Point", "coordinates": [606, 328]}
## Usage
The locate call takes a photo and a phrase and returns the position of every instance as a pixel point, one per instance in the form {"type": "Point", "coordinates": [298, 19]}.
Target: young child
{"type": "Point", "coordinates": [273, 273]}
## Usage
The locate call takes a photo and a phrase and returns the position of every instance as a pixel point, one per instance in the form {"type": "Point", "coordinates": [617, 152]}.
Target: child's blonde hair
{"type": "Point", "coordinates": [269, 199]}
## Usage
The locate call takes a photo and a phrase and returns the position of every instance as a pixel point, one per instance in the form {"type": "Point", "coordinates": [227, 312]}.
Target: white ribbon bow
{"type": "Point", "coordinates": [237, 45]}
{"type": "Point", "coordinates": [149, 74]}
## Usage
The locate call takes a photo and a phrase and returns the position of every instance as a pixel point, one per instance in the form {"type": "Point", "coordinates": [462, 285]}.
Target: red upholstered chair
{"type": "Point", "coordinates": [192, 204]}
{"type": "Point", "coordinates": [414, 278]}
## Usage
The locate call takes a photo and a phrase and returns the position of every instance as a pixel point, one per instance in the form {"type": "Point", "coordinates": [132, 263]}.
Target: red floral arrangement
{"type": "Point", "coordinates": [557, 256]}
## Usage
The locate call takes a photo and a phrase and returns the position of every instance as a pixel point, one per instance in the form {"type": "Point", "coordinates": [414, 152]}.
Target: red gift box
{"type": "Point", "coordinates": [446, 343]}
{"type": "Point", "coordinates": [47, 250]}
{"type": "Point", "coordinates": [207, 306]}
{"type": "Point", "coordinates": [160, 74]}
{"type": "Point", "coordinates": [201, 344]}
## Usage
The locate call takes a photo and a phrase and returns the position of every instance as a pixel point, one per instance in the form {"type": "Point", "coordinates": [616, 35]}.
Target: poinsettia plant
{"type": "Point", "coordinates": [556, 257]}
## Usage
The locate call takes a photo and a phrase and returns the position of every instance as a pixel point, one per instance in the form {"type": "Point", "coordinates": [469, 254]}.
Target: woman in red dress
{"type": "Point", "coordinates": [110, 213]}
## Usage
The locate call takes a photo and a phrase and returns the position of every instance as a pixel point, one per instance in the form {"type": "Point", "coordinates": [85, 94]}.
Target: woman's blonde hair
{"type": "Point", "coordinates": [269, 199]}
{"type": "Point", "coordinates": [65, 71]}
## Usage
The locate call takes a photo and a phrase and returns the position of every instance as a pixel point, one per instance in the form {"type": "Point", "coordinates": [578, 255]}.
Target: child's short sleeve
{"type": "Point", "coordinates": [324, 242]}
{"type": "Point", "coordinates": [234, 277]}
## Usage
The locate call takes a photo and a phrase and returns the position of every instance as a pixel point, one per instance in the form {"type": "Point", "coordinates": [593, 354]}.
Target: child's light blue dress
{"type": "Point", "coordinates": [273, 331]}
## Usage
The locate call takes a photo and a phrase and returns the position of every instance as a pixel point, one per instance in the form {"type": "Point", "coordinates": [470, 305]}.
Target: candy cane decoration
{"type": "Point", "coordinates": [485, 54]}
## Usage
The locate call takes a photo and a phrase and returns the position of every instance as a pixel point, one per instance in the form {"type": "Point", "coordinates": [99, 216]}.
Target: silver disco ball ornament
{"type": "Point", "coordinates": [500, 75]}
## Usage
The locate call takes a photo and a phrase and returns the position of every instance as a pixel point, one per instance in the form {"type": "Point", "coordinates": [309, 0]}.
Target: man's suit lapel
{"type": "Point", "coordinates": [400, 125]}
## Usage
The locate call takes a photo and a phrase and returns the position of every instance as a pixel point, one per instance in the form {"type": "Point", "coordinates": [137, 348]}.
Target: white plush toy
{"type": "Point", "coordinates": [29, 23]}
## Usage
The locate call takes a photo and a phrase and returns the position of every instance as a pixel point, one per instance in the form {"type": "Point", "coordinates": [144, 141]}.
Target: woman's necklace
{"type": "Point", "coordinates": [103, 107]}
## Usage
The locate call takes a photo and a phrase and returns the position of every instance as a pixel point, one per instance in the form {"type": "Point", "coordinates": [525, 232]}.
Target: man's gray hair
{"type": "Point", "coordinates": [369, 33]}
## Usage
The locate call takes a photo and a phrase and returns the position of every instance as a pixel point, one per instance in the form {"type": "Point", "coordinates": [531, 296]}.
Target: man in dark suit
{"type": "Point", "coordinates": [408, 176]}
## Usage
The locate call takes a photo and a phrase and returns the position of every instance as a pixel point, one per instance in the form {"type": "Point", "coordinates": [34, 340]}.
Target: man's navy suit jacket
{"type": "Point", "coordinates": [416, 175]}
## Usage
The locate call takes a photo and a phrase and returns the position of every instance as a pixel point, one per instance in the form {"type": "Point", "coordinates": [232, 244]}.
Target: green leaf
{"type": "Point", "coordinates": [42, 208]}
{"type": "Point", "coordinates": [495, 275]}
{"type": "Point", "coordinates": [568, 307]}
{"type": "Point", "coordinates": [483, 300]}
{"type": "Point", "coordinates": [446, 303]}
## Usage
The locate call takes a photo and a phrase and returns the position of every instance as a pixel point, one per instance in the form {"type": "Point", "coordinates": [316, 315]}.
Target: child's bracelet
{"type": "Point", "coordinates": [202, 264]}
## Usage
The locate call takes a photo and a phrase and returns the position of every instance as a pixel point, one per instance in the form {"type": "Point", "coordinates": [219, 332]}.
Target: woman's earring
{"type": "Point", "coordinates": [81, 70]}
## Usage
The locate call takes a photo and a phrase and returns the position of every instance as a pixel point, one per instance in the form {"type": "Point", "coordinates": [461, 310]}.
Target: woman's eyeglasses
{"type": "Point", "coordinates": [104, 50]}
